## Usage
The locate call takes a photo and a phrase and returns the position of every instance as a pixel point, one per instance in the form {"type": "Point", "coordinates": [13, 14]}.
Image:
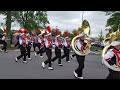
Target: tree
{"type": "Point", "coordinates": [31, 20]}
{"type": "Point", "coordinates": [71, 35]}
{"type": "Point", "coordinates": [114, 19]}
{"type": "Point", "coordinates": [8, 19]}
{"type": "Point", "coordinates": [101, 37]}
{"type": "Point", "coordinates": [74, 30]}
{"type": "Point", "coordinates": [53, 33]}
{"type": "Point", "coordinates": [1, 31]}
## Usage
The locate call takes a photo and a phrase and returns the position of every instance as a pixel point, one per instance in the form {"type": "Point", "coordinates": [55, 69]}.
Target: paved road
{"type": "Point", "coordinates": [9, 69]}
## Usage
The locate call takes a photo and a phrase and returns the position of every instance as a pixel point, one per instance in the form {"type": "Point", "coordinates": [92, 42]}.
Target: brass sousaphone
{"type": "Point", "coordinates": [113, 37]}
{"type": "Point", "coordinates": [85, 28]}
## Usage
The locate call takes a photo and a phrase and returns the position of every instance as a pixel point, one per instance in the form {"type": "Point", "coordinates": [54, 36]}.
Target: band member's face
{"type": "Point", "coordinates": [50, 36]}
{"type": "Point", "coordinates": [82, 38]}
{"type": "Point", "coordinates": [117, 47]}
{"type": "Point", "coordinates": [58, 37]}
{"type": "Point", "coordinates": [67, 38]}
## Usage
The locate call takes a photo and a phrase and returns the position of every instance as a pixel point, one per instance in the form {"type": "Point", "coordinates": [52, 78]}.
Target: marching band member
{"type": "Point", "coordinates": [58, 47]}
{"type": "Point", "coordinates": [22, 42]}
{"type": "Point", "coordinates": [81, 45]}
{"type": "Point", "coordinates": [17, 37]}
{"type": "Point", "coordinates": [34, 39]}
{"type": "Point", "coordinates": [113, 58]}
{"type": "Point", "coordinates": [66, 44]}
{"type": "Point", "coordinates": [73, 55]}
{"type": "Point", "coordinates": [28, 45]}
{"type": "Point", "coordinates": [4, 42]}
{"type": "Point", "coordinates": [49, 45]}
{"type": "Point", "coordinates": [40, 44]}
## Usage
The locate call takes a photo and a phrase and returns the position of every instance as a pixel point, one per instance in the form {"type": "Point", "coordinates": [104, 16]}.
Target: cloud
{"type": "Point", "coordinates": [69, 20]}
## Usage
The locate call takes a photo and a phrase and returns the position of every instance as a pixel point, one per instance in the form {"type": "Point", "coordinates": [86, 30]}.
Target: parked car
{"type": "Point", "coordinates": [102, 45]}
{"type": "Point", "coordinates": [97, 44]}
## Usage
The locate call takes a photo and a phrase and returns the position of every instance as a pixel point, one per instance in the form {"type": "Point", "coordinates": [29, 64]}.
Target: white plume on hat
{"type": "Point", "coordinates": [81, 34]}
{"type": "Point", "coordinates": [115, 43]}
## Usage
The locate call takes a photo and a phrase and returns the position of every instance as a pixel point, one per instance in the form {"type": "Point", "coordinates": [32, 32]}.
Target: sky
{"type": "Point", "coordinates": [69, 20]}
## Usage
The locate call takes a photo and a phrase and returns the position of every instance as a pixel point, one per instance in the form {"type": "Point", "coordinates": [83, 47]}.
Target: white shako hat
{"type": "Point", "coordinates": [115, 43]}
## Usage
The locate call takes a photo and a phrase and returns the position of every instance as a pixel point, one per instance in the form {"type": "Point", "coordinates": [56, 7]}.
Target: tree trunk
{"type": "Point", "coordinates": [8, 25]}
{"type": "Point", "coordinates": [26, 18]}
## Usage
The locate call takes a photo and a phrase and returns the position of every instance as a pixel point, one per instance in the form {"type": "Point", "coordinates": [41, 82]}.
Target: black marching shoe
{"type": "Point", "coordinates": [60, 65]}
{"type": "Point", "coordinates": [68, 61]}
{"type": "Point", "coordinates": [80, 77]}
{"type": "Point", "coordinates": [75, 74]}
{"type": "Point", "coordinates": [71, 56]}
{"type": "Point", "coordinates": [41, 56]}
{"type": "Point", "coordinates": [43, 65]}
{"type": "Point", "coordinates": [24, 61]}
{"type": "Point", "coordinates": [35, 54]}
{"type": "Point", "coordinates": [29, 58]}
{"type": "Point", "coordinates": [16, 60]}
{"type": "Point", "coordinates": [6, 51]}
{"type": "Point", "coordinates": [50, 68]}
{"type": "Point", "coordinates": [1, 50]}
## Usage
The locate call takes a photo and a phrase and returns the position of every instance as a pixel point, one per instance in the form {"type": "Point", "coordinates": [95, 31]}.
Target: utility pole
{"type": "Point", "coordinates": [82, 15]}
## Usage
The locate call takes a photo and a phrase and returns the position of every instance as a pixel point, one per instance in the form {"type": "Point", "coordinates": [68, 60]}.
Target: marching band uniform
{"type": "Point", "coordinates": [49, 46]}
{"type": "Point", "coordinates": [81, 45]}
{"type": "Point", "coordinates": [28, 46]}
{"type": "Point", "coordinates": [66, 44]}
{"type": "Point", "coordinates": [22, 42]}
{"type": "Point", "coordinates": [40, 44]}
{"type": "Point", "coordinates": [113, 57]}
{"type": "Point", "coordinates": [4, 42]}
{"type": "Point", "coordinates": [34, 39]}
{"type": "Point", "coordinates": [58, 47]}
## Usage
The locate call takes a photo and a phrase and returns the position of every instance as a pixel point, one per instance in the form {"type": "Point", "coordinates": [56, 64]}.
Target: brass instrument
{"type": "Point", "coordinates": [86, 30]}
{"type": "Point", "coordinates": [115, 36]}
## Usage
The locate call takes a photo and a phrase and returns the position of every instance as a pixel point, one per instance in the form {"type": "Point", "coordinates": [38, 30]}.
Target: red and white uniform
{"type": "Point", "coordinates": [48, 43]}
{"type": "Point", "coordinates": [110, 54]}
{"type": "Point", "coordinates": [41, 41]}
{"type": "Point", "coordinates": [58, 43]}
{"type": "Point", "coordinates": [22, 40]}
{"type": "Point", "coordinates": [80, 45]}
{"type": "Point", "coordinates": [67, 43]}
{"type": "Point", "coordinates": [29, 41]}
{"type": "Point", "coordinates": [4, 38]}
